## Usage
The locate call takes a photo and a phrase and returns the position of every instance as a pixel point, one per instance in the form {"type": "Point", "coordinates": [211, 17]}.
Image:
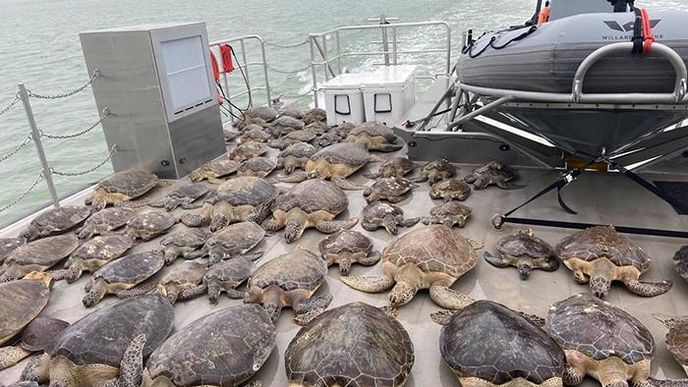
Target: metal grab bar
{"type": "Point", "coordinates": [625, 47]}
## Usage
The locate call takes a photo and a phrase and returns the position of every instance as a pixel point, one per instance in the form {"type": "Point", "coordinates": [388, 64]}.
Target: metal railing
{"type": "Point", "coordinates": [36, 135]}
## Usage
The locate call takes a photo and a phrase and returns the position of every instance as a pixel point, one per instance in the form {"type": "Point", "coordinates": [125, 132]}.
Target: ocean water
{"type": "Point", "coordinates": [39, 46]}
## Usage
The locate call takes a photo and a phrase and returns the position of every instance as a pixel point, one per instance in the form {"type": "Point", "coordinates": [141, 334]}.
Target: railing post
{"type": "Point", "coordinates": [311, 41]}
{"type": "Point", "coordinates": [265, 71]}
{"type": "Point", "coordinates": [246, 73]}
{"type": "Point", "coordinates": [24, 95]}
{"type": "Point", "coordinates": [385, 39]}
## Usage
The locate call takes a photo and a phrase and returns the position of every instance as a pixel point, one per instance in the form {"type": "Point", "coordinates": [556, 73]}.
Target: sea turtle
{"type": "Point", "coordinates": [335, 162]}
{"type": "Point", "coordinates": [604, 255]}
{"type": "Point", "coordinates": [602, 341]}
{"type": "Point", "coordinates": [487, 344]}
{"type": "Point", "coordinates": [318, 127]}
{"type": "Point", "coordinates": [230, 134]}
{"type": "Point", "coordinates": [248, 121]}
{"type": "Point", "coordinates": [525, 251]}
{"type": "Point", "coordinates": [257, 166]}
{"type": "Point", "coordinates": [292, 112]}
{"type": "Point", "coordinates": [214, 170]}
{"type": "Point", "coordinates": [312, 203]}
{"type": "Point", "coordinates": [95, 253]}
{"type": "Point", "coordinates": [353, 345]}
{"type": "Point", "coordinates": [493, 173]}
{"type": "Point", "coordinates": [255, 132]}
{"type": "Point", "coordinates": [676, 339]}
{"type": "Point", "coordinates": [36, 337]}
{"type": "Point", "coordinates": [436, 170]}
{"type": "Point", "coordinates": [224, 348]}
{"type": "Point", "coordinates": [344, 128]}
{"type": "Point", "coordinates": [182, 195]}
{"type": "Point", "coordinates": [225, 276]}
{"type": "Point", "coordinates": [235, 240]}
{"type": "Point", "coordinates": [238, 199]}
{"type": "Point", "coordinates": [328, 138]}
{"type": "Point", "coordinates": [8, 245]}
{"type": "Point", "coordinates": [39, 255]}
{"type": "Point", "coordinates": [450, 189]}
{"type": "Point", "coordinates": [122, 186]}
{"type": "Point", "coordinates": [247, 151]}
{"type": "Point", "coordinates": [680, 260]}
{"type": "Point", "coordinates": [104, 348]}
{"type": "Point", "coordinates": [295, 156]}
{"type": "Point", "coordinates": [314, 115]}
{"type": "Point", "coordinates": [186, 242]}
{"type": "Point", "coordinates": [106, 220]}
{"type": "Point", "coordinates": [374, 136]}
{"type": "Point", "coordinates": [284, 125]}
{"type": "Point", "coordinates": [290, 280]}
{"type": "Point", "coordinates": [397, 166]}
{"type": "Point", "coordinates": [431, 257]}
{"type": "Point", "coordinates": [265, 113]}
{"type": "Point", "coordinates": [392, 189]}
{"type": "Point", "coordinates": [347, 247]}
{"type": "Point", "coordinates": [121, 274]}
{"type": "Point", "coordinates": [450, 214]}
{"type": "Point", "coordinates": [55, 221]}
{"type": "Point", "coordinates": [389, 216]}
{"type": "Point", "coordinates": [291, 138]}
{"type": "Point", "coordinates": [182, 276]}
{"type": "Point", "coordinates": [20, 302]}
{"type": "Point", "coordinates": [149, 225]}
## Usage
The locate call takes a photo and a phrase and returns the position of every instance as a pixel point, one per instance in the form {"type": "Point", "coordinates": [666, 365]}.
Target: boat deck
{"type": "Point", "coordinates": [600, 198]}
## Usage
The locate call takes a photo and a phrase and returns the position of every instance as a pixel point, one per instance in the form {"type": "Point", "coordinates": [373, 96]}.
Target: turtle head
{"type": "Point", "coordinates": [215, 255]}
{"type": "Point", "coordinates": [313, 174]}
{"type": "Point", "coordinates": [524, 269]}
{"type": "Point", "coordinates": [272, 302]}
{"type": "Point", "coordinates": [40, 275]}
{"type": "Point", "coordinates": [293, 230]}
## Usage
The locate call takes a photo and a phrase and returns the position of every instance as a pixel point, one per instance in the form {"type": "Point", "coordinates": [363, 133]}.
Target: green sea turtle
{"type": "Point", "coordinates": [353, 345]}
{"type": "Point", "coordinates": [95, 253]}
{"type": "Point", "coordinates": [450, 189]}
{"type": "Point", "coordinates": [230, 134]}
{"type": "Point", "coordinates": [284, 125]}
{"type": "Point", "coordinates": [291, 138]}
{"type": "Point", "coordinates": [676, 339]}
{"type": "Point", "coordinates": [233, 241]}
{"type": "Point", "coordinates": [314, 115]}
{"type": "Point", "coordinates": [295, 157]}
{"type": "Point", "coordinates": [389, 216]}
{"type": "Point", "coordinates": [36, 337]}
{"type": "Point", "coordinates": [224, 348]}
{"type": "Point", "coordinates": [182, 195]}
{"type": "Point", "coordinates": [239, 199]}
{"type": "Point", "coordinates": [254, 132]}
{"type": "Point", "coordinates": [247, 151]}
{"type": "Point", "coordinates": [121, 275]}
{"type": "Point", "coordinates": [680, 261]}
{"type": "Point", "coordinates": [347, 247]}
{"type": "Point", "coordinates": [105, 348]}
{"type": "Point", "coordinates": [215, 170]}
{"type": "Point", "coordinates": [312, 203]}
{"type": "Point", "coordinates": [122, 186]}
{"type": "Point", "coordinates": [8, 245]}
{"type": "Point", "coordinates": [487, 344]}
{"type": "Point", "coordinates": [326, 139]}
{"type": "Point", "coordinates": [221, 277]}
{"type": "Point", "coordinates": [436, 170]}
{"type": "Point", "coordinates": [397, 166]}
{"type": "Point", "coordinates": [525, 251]}
{"type": "Point", "coordinates": [450, 214]}
{"type": "Point", "coordinates": [182, 276]}
{"type": "Point", "coordinates": [39, 255]}
{"type": "Point", "coordinates": [55, 221]}
{"type": "Point", "coordinates": [374, 136]}
{"type": "Point", "coordinates": [257, 166]}
{"type": "Point", "coordinates": [186, 243]}
{"type": "Point", "coordinates": [392, 189]}
{"type": "Point", "coordinates": [292, 112]}
{"type": "Point", "coordinates": [600, 255]}
{"type": "Point", "coordinates": [493, 173]}
{"type": "Point", "coordinates": [106, 220]}
{"type": "Point", "coordinates": [265, 113]}
{"type": "Point", "coordinates": [431, 257]}
{"type": "Point", "coordinates": [289, 280]}
{"type": "Point", "coordinates": [149, 225]}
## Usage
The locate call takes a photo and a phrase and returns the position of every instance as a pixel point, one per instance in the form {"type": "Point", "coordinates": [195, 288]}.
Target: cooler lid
{"type": "Point", "coordinates": [391, 76]}
{"type": "Point", "coordinates": [346, 81]}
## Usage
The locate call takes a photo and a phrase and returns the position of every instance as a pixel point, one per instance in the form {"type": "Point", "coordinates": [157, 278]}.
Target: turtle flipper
{"type": "Point", "coordinates": [11, 355]}
{"type": "Point", "coordinates": [191, 292]}
{"type": "Point", "coordinates": [194, 220]}
{"type": "Point", "coordinates": [388, 147]}
{"type": "Point", "coordinates": [652, 382]}
{"type": "Point", "coordinates": [371, 259]}
{"type": "Point", "coordinates": [295, 177]}
{"type": "Point", "coordinates": [136, 291]}
{"type": "Point", "coordinates": [647, 288]}
{"type": "Point", "coordinates": [332, 226]}
{"type": "Point", "coordinates": [410, 222]}
{"type": "Point", "coordinates": [347, 185]}
{"type": "Point", "coordinates": [572, 376]}
{"type": "Point", "coordinates": [449, 298]}
{"type": "Point", "coordinates": [494, 260]}
{"type": "Point", "coordinates": [533, 318]}
{"type": "Point", "coordinates": [670, 321]}
{"type": "Point", "coordinates": [390, 223]}
{"type": "Point", "coordinates": [442, 317]}
{"type": "Point", "coordinates": [192, 205]}
{"type": "Point", "coordinates": [372, 175]}
{"type": "Point", "coordinates": [311, 308]}
{"type": "Point", "coordinates": [131, 366]}
{"type": "Point", "coordinates": [157, 204]}
{"type": "Point", "coordinates": [369, 284]}
{"type": "Point", "coordinates": [429, 220]}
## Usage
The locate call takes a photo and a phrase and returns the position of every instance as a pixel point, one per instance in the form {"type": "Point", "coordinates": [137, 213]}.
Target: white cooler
{"type": "Point", "coordinates": [343, 98]}
{"type": "Point", "coordinates": [388, 93]}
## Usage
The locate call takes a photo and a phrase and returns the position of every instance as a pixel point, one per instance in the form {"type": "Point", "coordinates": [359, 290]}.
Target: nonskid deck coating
{"type": "Point", "coordinates": [600, 198]}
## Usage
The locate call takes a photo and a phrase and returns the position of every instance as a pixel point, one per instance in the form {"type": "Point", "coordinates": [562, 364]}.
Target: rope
{"type": "Point", "coordinates": [9, 105]}
{"type": "Point", "coordinates": [289, 71]}
{"type": "Point", "coordinates": [86, 171]}
{"type": "Point", "coordinates": [95, 75]}
{"type": "Point", "coordinates": [103, 116]}
{"type": "Point", "coordinates": [286, 45]}
{"type": "Point", "coordinates": [16, 149]}
{"type": "Point", "coordinates": [23, 195]}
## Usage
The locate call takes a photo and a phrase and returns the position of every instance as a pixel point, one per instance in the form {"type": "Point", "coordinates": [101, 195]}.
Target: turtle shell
{"type": "Point", "coordinates": [313, 195]}
{"type": "Point", "coordinates": [434, 248]}
{"type": "Point", "coordinates": [599, 330]}
{"type": "Point", "coordinates": [314, 115]}
{"type": "Point", "coordinates": [255, 132]}
{"type": "Point", "coordinates": [680, 260]}
{"type": "Point", "coordinates": [248, 190]}
{"type": "Point", "coordinates": [524, 245]}
{"type": "Point", "coordinates": [394, 186]}
{"type": "Point", "coordinates": [288, 122]}
{"type": "Point", "coordinates": [603, 242]}
{"type": "Point", "coordinates": [374, 129]}
{"type": "Point", "coordinates": [185, 272]}
{"type": "Point", "coordinates": [44, 252]}
{"type": "Point", "coordinates": [237, 237]}
{"type": "Point", "coordinates": [439, 165]}
{"type": "Point", "coordinates": [397, 165]}
{"type": "Point", "coordinates": [41, 333]}
{"type": "Point", "coordinates": [300, 149]}
{"type": "Point", "coordinates": [105, 247]}
{"type": "Point", "coordinates": [451, 184]}
{"type": "Point", "coordinates": [56, 221]}
{"type": "Point", "coordinates": [107, 219]}
{"type": "Point", "coordinates": [265, 113]}
{"type": "Point", "coordinates": [132, 183]}
{"type": "Point", "coordinates": [494, 170]}
{"type": "Point", "coordinates": [189, 190]}
{"type": "Point", "coordinates": [152, 221]}
{"type": "Point", "coordinates": [223, 348]}
{"type": "Point", "coordinates": [186, 237]}
{"type": "Point", "coordinates": [248, 150]}
{"type": "Point", "coordinates": [232, 270]}
{"type": "Point", "coordinates": [304, 135]}
{"type": "Point", "coordinates": [677, 342]}
{"type": "Point", "coordinates": [489, 341]}
{"type": "Point", "coordinates": [257, 164]}
{"type": "Point", "coordinates": [8, 245]}
{"type": "Point", "coordinates": [449, 209]}
{"type": "Point", "coordinates": [344, 153]}
{"type": "Point", "coordinates": [297, 269]}
{"type": "Point", "coordinates": [378, 210]}
{"type": "Point", "coordinates": [102, 337]}
{"type": "Point", "coordinates": [217, 168]}
{"type": "Point", "coordinates": [132, 268]}
{"type": "Point", "coordinates": [353, 345]}
{"type": "Point", "coordinates": [345, 240]}
{"type": "Point", "coordinates": [21, 301]}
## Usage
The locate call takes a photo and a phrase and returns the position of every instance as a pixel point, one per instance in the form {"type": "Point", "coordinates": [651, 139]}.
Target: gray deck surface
{"type": "Point", "coordinates": [600, 198]}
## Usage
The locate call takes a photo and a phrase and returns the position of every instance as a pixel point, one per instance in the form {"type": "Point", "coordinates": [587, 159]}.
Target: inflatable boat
{"type": "Point", "coordinates": [596, 81]}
